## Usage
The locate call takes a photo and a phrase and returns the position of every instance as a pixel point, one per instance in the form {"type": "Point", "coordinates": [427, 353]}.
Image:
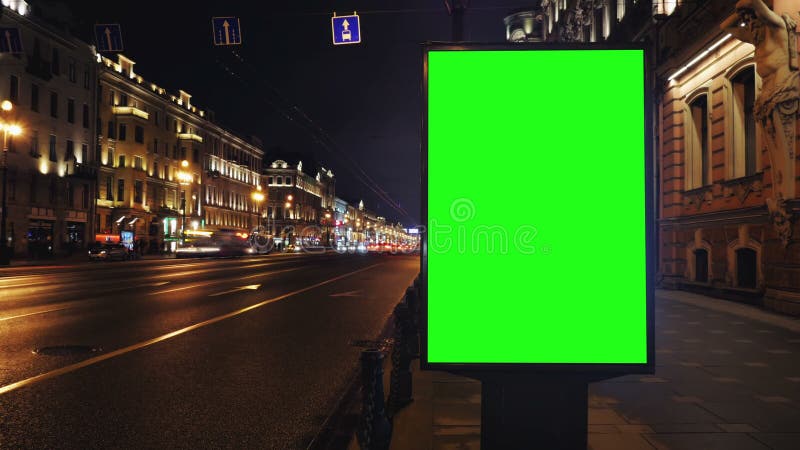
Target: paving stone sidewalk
{"type": "Point", "coordinates": [727, 377]}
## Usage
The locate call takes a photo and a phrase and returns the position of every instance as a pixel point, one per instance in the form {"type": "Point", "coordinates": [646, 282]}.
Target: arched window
{"type": "Point", "coordinates": [743, 125]}
{"type": "Point", "coordinates": [701, 265]}
{"type": "Point", "coordinates": [698, 167]}
{"type": "Point", "coordinates": [746, 268]}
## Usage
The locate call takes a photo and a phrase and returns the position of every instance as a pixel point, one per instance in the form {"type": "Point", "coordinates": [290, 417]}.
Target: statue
{"type": "Point", "coordinates": [776, 107]}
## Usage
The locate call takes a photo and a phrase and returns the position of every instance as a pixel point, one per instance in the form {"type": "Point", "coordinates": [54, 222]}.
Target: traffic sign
{"type": "Point", "coordinates": [108, 37]}
{"type": "Point", "coordinates": [227, 30]}
{"type": "Point", "coordinates": [10, 40]}
{"type": "Point", "coordinates": [345, 29]}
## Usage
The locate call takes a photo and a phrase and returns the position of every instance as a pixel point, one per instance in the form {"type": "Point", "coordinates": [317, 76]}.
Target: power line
{"type": "Point", "coordinates": [294, 114]}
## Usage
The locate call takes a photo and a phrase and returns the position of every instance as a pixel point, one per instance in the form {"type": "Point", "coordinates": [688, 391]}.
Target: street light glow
{"type": "Point", "coordinates": [14, 130]}
{"type": "Point", "coordinates": [7, 105]}
{"type": "Point", "coordinates": [184, 163]}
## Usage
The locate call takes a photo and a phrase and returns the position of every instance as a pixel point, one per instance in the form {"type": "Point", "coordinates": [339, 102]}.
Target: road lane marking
{"type": "Point", "coordinates": [88, 362]}
{"type": "Point", "coordinates": [356, 293]}
{"type": "Point", "coordinates": [156, 284]}
{"type": "Point", "coordinates": [252, 287]}
{"type": "Point", "coordinates": [34, 313]}
{"type": "Point", "coordinates": [208, 283]}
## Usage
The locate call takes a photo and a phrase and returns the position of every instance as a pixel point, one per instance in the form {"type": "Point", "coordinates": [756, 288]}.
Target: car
{"type": "Point", "coordinates": [109, 252]}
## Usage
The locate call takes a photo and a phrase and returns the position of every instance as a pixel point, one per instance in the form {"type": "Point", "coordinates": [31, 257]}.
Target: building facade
{"type": "Point", "coordinates": [165, 167]}
{"type": "Point", "coordinates": [725, 185]}
{"type": "Point", "coordinates": [297, 202]}
{"type": "Point", "coordinates": [51, 168]}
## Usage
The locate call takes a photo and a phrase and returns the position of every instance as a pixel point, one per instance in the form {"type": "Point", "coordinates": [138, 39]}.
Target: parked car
{"type": "Point", "coordinates": [109, 252]}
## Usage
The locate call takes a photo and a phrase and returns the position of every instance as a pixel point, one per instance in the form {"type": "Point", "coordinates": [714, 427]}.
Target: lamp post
{"type": "Point", "coordinates": [185, 179]}
{"type": "Point", "coordinates": [13, 130]}
{"type": "Point", "coordinates": [258, 197]}
{"type": "Point", "coordinates": [328, 229]}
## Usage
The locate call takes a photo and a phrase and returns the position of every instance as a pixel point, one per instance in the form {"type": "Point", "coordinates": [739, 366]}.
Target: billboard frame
{"type": "Point", "coordinates": [590, 371]}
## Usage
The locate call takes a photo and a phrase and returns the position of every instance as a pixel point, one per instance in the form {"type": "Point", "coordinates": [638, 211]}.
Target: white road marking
{"type": "Point", "coordinates": [88, 362]}
{"type": "Point", "coordinates": [251, 287]}
{"type": "Point", "coordinates": [356, 293]}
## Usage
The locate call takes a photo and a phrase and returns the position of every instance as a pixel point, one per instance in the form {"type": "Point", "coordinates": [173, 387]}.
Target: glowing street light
{"type": "Point", "coordinates": [12, 130]}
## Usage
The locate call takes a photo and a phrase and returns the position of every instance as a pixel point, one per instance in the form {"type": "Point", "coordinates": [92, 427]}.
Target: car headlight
{"type": "Point", "coordinates": [103, 252]}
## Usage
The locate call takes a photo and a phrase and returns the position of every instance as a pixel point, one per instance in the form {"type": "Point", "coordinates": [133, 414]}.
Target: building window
{"type": "Point", "coordinates": [121, 161]}
{"type": "Point", "coordinates": [138, 134]}
{"type": "Point", "coordinates": [13, 91]}
{"type": "Point", "coordinates": [278, 180]}
{"type": "Point", "coordinates": [71, 110]}
{"type": "Point", "coordinates": [55, 63]}
{"type": "Point", "coordinates": [744, 123]}
{"type": "Point", "coordinates": [111, 98]}
{"type": "Point", "coordinates": [70, 195]}
{"type": "Point", "coordinates": [120, 190]}
{"type": "Point", "coordinates": [86, 77]}
{"type": "Point", "coordinates": [53, 104]}
{"type": "Point", "coordinates": [698, 158]}
{"type": "Point", "coordinates": [155, 118]}
{"type": "Point", "coordinates": [85, 200]}
{"type": "Point", "coordinates": [123, 99]}
{"type": "Point", "coordinates": [35, 144]}
{"type": "Point", "coordinates": [195, 155]}
{"type": "Point", "coordinates": [35, 97]}
{"type": "Point", "coordinates": [85, 115]}
{"type": "Point", "coordinates": [137, 191]}
{"type": "Point", "coordinates": [69, 155]}
{"type": "Point", "coordinates": [84, 153]}
{"type": "Point", "coordinates": [156, 174]}
{"type": "Point", "coordinates": [155, 145]}
{"type": "Point", "coordinates": [111, 130]}
{"type": "Point", "coordinates": [138, 163]}
{"type": "Point", "coordinates": [746, 268]}
{"type": "Point", "coordinates": [701, 265]}
{"type": "Point", "coordinates": [288, 181]}
{"type": "Point", "coordinates": [53, 155]}
{"type": "Point", "coordinates": [269, 180]}
{"type": "Point", "coordinates": [71, 71]}
{"type": "Point", "coordinates": [109, 188]}
{"type": "Point", "coordinates": [110, 159]}
{"type": "Point", "coordinates": [123, 131]}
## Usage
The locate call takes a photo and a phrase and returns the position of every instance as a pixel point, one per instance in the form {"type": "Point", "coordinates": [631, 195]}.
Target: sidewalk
{"type": "Point", "coordinates": [727, 377]}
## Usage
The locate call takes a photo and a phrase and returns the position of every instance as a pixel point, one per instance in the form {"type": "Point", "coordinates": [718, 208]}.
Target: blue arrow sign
{"type": "Point", "coordinates": [227, 30]}
{"type": "Point", "coordinates": [346, 30]}
{"type": "Point", "coordinates": [108, 37]}
{"type": "Point", "coordinates": [10, 40]}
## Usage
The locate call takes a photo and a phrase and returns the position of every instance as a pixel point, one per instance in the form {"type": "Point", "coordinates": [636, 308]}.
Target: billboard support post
{"type": "Point", "coordinates": [534, 412]}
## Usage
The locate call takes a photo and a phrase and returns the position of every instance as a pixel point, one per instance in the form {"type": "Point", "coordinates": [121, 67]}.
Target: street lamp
{"type": "Point", "coordinates": [328, 228]}
{"type": "Point", "coordinates": [13, 130]}
{"type": "Point", "coordinates": [258, 197]}
{"type": "Point", "coordinates": [185, 179]}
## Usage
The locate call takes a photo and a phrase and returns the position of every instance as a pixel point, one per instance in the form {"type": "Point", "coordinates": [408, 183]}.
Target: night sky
{"type": "Point", "coordinates": [366, 97]}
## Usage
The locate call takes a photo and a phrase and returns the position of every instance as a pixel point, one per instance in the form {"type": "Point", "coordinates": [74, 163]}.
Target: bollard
{"type": "Point", "coordinates": [400, 386]}
{"type": "Point", "coordinates": [412, 299]}
{"type": "Point", "coordinates": [374, 429]}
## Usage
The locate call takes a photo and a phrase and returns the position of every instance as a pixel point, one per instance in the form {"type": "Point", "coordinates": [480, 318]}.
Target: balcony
{"type": "Point", "coordinates": [82, 171]}
{"type": "Point", "coordinates": [190, 137]}
{"type": "Point", "coordinates": [130, 111]}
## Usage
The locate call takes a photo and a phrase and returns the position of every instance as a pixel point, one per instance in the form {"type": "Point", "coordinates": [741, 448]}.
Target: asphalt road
{"type": "Point", "coordinates": [245, 353]}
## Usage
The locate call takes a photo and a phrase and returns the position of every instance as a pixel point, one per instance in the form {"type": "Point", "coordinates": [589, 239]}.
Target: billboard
{"type": "Point", "coordinates": [537, 201]}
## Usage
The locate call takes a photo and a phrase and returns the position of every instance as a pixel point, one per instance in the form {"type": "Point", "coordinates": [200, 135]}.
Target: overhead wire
{"type": "Point", "coordinates": [293, 112]}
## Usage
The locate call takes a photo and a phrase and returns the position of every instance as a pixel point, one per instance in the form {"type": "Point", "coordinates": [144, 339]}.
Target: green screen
{"type": "Point", "coordinates": [536, 207]}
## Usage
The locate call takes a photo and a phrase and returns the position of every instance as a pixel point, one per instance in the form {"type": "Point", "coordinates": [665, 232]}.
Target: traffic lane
{"type": "Point", "coordinates": [43, 289]}
{"type": "Point", "coordinates": [96, 328]}
{"type": "Point", "coordinates": [264, 379]}
{"type": "Point", "coordinates": [95, 271]}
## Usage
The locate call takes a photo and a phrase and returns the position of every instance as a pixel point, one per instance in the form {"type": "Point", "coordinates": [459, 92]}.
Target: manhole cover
{"type": "Point", "coordinates": [67, 350]}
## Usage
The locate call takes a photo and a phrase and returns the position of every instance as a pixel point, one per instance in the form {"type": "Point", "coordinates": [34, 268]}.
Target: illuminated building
{"type": "Point", "coordinates": [716, 233]}
{"type": "Point", "coordinates": [166, 167]}
{"type": "Point", "coordinates": [51, 168]}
